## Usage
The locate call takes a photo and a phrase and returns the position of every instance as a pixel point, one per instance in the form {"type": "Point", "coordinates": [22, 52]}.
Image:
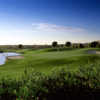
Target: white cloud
{"type": "Point", "coordinates": [41, 33]}
{"type": "Point", "coordinates": [53, 27]}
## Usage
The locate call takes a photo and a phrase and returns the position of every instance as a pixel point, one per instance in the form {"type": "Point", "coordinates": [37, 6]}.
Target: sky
{"type": "Point", "coordinates": [45, 21]}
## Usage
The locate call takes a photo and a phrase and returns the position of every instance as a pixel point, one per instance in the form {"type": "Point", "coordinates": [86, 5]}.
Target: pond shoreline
{"type": "Point", "coordinates": [8, 55]}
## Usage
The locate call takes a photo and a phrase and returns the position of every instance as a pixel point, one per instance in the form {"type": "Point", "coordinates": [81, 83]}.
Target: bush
{"type": "Point", "coordinates": [81, 45]}
{"type": "Point", "coordinates": [62, 84]}
{"type": "Point", "coordinates": [94, 44]}
{"type": "Point", "coordinates": [20, 46]}
{"type": "Point", "coordinates": [1, 51]}
{"type": "Point", "coordinates": [54, 44]}
{"type": "Point", "coordinates": [68, 44]}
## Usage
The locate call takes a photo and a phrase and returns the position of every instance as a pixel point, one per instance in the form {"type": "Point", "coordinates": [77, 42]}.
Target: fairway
{"type": "Point", "coordinates": [45, 60]}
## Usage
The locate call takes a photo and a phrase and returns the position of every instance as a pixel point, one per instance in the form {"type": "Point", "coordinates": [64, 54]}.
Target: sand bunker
{"type": "Point", "coordinates": [15, 57]}
{"type": "Point", "coordinates": [97, 52]}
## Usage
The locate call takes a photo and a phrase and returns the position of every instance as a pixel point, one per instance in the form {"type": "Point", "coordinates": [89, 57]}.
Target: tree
{"type": "Point", "coordinates": [68, 44]}
{"type": "Point", "coordinates": [20, 46]}
{"type": "Point", "coordinates": [94, 44]}
{"type": "Point", "coordinates": [54, 44]}
{"type": "Point", "coordinates": [61, 45]}
{"type": "Point", "coordinates": [81, 45]}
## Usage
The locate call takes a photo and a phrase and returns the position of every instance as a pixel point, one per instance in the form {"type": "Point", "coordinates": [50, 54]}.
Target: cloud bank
{"type": "Point", "coordinates": [54, 27]}
{"type": "Point", "coordinates": [45, 33]}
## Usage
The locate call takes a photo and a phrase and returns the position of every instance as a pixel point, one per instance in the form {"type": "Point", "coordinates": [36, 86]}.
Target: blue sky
{"type": "Point", "coordinates": [44, 21]}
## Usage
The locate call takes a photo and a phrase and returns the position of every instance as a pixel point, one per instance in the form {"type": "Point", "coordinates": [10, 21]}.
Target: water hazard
{"type": "Point", "coordinates": [3, 56]}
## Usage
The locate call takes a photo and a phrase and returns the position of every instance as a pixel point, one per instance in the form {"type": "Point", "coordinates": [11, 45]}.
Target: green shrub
{"type": "Point", "coordinates": [59, 85]}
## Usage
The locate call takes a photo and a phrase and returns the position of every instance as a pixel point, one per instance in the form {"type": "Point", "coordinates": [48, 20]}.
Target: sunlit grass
{"type": "Point", "coordinates": [45, 60]}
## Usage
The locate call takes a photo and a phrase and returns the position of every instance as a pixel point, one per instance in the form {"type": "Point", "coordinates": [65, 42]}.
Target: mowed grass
{"type": "Point", "coordinates": [46, 59]}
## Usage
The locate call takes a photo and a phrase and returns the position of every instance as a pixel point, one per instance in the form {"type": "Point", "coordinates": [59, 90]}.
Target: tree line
{"type": "Point", "coordinates": [94, 44]}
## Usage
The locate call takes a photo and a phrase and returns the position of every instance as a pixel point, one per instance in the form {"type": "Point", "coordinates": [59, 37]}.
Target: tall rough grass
{"type": "Point", "coordinates": [61, 84]}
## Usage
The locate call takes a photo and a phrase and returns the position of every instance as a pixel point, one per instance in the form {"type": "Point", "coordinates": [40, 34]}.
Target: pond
{"type": "Point", "coordinates": [93, 52]}
{"type": "Point", "coordinates": [3, 56]}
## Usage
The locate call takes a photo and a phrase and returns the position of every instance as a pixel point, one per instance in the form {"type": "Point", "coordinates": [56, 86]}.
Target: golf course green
{"type": "Point", "coordinates": [45, 60]}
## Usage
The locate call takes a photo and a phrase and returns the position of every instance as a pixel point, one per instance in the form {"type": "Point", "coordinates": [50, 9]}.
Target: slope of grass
{"type": "Point", "coordinates": [45, 60]}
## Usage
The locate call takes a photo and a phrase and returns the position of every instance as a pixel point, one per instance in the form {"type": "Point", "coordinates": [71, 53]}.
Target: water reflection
{"type": "Point", "coordinates": [3, 56]}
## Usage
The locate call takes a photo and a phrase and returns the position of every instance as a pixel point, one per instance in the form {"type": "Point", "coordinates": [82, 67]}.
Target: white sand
{"type": "Point", "coordinates": [97, 52]}
{"type": "Point", "coordinates": [15, 57]}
